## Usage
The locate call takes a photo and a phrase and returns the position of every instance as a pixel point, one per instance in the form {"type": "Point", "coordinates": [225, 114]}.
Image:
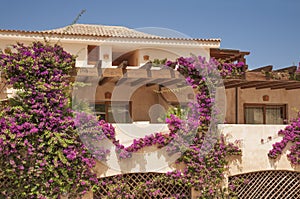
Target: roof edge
{"type": "Point", "coordinates": [50, 32]}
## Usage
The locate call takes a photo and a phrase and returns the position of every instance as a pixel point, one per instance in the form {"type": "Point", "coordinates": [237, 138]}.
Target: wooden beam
{"type": "Point", "coordinates": [104, 80]}
{"type": "Point", "coordinates": [251, 84]}
{"type": "Point", "coordinates": [156, 81]}
{"type": "Point", "coordinates": [232, 84]}
{"type": "Point", "coordinates": [172, 82]}
{"type": "Point", "coordinates": [172, 73]}
{"type": "Point", "coordinates": [123, 65]}
{"type": "Point", "coordinates": [149, 74]}
{"type": "Point", "coordinates": [121, 81]}
{"type": "Point", "coordinates": [228, 54]}
{"type": "Point", "coordinates": [290, 69]}
{"type": "Point", "coordinates": [258, 84]}
{"type": "Point", "coordinates": [138, 81]}
{"type": "Point", "coordinates": [267, 68]}
{"type": "Point", "coordinates": [255, 76]}
{"type": "Point", "coordinates": [270, 84]}
{"type": "Point", "coordinates": [147, 66]}
{"type": "Point", "coordinates": [293, 87]}
{"type": "Point", "coordinates": [231, 81]}
{"type": "Point", "coordinates": [243, 84]}
{"type": "Point", "coordinates": [283, 86]}
{"type": "Point", "coordinates": [99, 67]}
{"type": "Point", "coordinates": [231, 58]}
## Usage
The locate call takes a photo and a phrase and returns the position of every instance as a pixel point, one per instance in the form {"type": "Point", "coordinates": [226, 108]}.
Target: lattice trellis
{"type": "Point", "coordinates": [133, 180]}
{"type": "Point", "coordinates": [267, 185]}
{"type": "Point", "coordinates": [3, 180]}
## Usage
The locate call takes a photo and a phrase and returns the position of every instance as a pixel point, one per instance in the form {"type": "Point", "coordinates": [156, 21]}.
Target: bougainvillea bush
{"type": "Point", "coordinates": [291, 134]}
{"type": "Point", "coordinates": [205, 158]}
{"type": "Point", "coordinates": [41, 155]}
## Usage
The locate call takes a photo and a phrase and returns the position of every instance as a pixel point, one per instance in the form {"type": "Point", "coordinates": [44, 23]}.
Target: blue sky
{"type": "Point", "coordinates": [269, 29]}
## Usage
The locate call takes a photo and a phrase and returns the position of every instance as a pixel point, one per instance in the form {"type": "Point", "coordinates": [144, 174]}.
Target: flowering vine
{"type": "Point", "coordinates": [291, 133]}
{"type": "Point", "coordinates": [205, 156]}
{"type": "Point", "coordinates": [39, 139]}
{"type": "Point", "coordinates": [41, 155]}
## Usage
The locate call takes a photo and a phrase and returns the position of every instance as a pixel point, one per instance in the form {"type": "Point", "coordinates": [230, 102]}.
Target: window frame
{"type": "Point", "coordinates": [265, 106]}
{"type": "Point", "coordinates": [107, 103]}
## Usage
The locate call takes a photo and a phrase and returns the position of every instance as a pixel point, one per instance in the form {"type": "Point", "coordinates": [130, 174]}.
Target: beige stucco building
{"type": "Point", "coordinates": [111, 55]}
{"type": "Point", "coordinates": [125, 90]}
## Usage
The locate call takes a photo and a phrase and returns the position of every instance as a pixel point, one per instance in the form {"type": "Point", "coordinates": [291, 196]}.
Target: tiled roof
{"type": "Point", "coordinates": [103, 31]}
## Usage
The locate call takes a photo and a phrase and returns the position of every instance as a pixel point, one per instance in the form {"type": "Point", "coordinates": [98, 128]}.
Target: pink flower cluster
{"type": "Point", "coordinates": [290, 134]}
{"type": "Point", "coordinates": [203, 151]}
{"type": "Point", "coordinates": [40, 152]}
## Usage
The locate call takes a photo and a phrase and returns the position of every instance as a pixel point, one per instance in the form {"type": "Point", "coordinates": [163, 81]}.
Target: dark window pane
{"type": "Point", "coordinates": [265, 114]}
{"type": "Point", "coordinates": [274, 115]}
{"type": "Point", "coordinates": [254, 115]}
{"type": "Point", "coordinates": [100, 108]}
{"type": "Point", "coordinates": [119, 113]}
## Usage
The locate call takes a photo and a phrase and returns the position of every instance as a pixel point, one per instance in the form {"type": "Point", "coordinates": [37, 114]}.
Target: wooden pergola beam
{"type": "Point", "coordinates": [286, 85]}
{"type": "Point", "coordinates": [290, 69]}
{"type": "Point", "coordinates": [123, 64]}
{"type": "Point", "coordinates": [232, 83]}
{"type": "Point", "coordinates": [247, 83]}
{"type": "Point", "coordinates": [267, 68]}
{"type": "Point", "coordinates": [292, 87]}
{"type": "Point", "coordinates": [270, 84]}
{"type": "Point", "coordinates": [261, 84]}
{"type": "Point", "coordinates": [251, 84]}
{"type": "Point", "coordinates": [138, 81]}
{"type": "Point", "coordinates": [229, 55]}
{"type": "Point", "coordinates": [255, 76]}
{"type": "Point", "coordinates": [104, 80]}
{"type": "Point", "coordinates": [156, 81]}
{"type": "Point", "coordinates": [258, 84]}
{"type": "Point", "coordinates": [121, 81]}
{"type": "Point", "coordinates": [253, 79]}
{"type": "Point", "coordinates": [172, 82]}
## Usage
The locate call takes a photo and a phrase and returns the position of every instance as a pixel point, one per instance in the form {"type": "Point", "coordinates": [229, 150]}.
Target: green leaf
{"type": "Point", "coordinates": [62, 157]}
{"type": "Point", "coordinates": [60, 140]}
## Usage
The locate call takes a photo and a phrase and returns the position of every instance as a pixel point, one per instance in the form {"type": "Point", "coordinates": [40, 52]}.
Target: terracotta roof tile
{"type": "Point", "coordinates": [103, 31]}
{"type": "Point", "coordinates": [100, 30]}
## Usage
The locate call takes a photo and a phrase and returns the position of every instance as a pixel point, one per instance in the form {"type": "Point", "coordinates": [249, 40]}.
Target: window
{"type": "Point", "coordinates": [100, 111]}
{"type": "Point", "coordinates": [122, 111]}
{"type": "Point", "coordinates": [93, 54]}
{"type": "Point", "coordinates": [264, 114]}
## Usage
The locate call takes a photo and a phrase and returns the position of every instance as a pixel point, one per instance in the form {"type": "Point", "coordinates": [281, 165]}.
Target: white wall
{"type": "Point", "coordinates": [254, 151]}
{"type": "Point", "coordinates": [170, 53]}
{"type": "Point", "coordinates": [155, 51]}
